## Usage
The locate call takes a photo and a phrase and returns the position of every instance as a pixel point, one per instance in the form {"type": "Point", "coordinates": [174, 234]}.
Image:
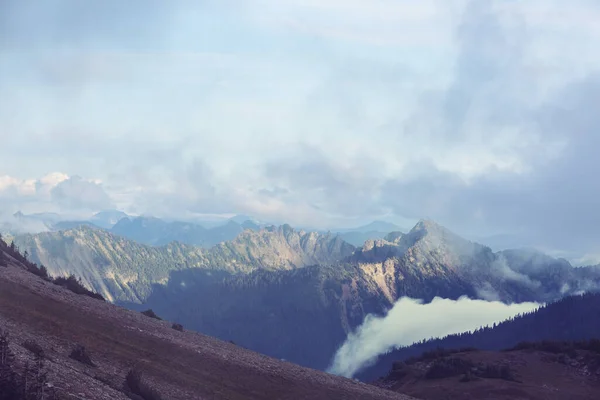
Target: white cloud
{"type": "Point", "coordinates": [410, 321]}
{"type": "Point", "coordinates": [501, 269]}
{"type": "Point", "coordinates": [7, 182]}
{"type": "Point", "coordinates": [54, 192]}
{"type": "Point", "coordinates": [53, 179]}
{"type": "Point", "coordinates": [11, 186]}
{"type": "Point", "coordinates": [487, 292]}
{"type": "Point", "coordinates": [381, 22]}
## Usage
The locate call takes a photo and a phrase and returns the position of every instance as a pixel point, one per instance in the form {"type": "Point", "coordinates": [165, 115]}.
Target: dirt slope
{"type": "Point", "coordinates": [528, 375]}
{"type": "Point", "coordinates": [182, 365]}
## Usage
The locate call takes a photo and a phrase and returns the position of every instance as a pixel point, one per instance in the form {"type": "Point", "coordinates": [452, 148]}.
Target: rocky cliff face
{"type": "Point", "coordinates": [433, 261]}
{"type": "Point", "coordinates": [277, 248]}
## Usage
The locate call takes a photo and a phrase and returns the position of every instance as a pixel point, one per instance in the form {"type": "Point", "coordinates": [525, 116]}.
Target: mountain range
{"type": "Point", "coordinates": [296, 295]}
{"type": "Point", "coordinates": [156, 231]}
{"type": "Point", "coordinates": [57, 344]}
{"type": "Point", "coordinates": [124, 270]}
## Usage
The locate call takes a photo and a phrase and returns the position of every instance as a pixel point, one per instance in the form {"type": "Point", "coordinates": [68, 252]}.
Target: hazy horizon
{"type": "Point", "coordinates": [476, 114]}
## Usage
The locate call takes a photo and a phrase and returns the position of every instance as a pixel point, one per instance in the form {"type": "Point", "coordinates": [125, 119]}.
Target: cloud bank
{"type": "Point", "coordinates": [53, 193]}
{"type": "Point", "coordinates": [410, 320]}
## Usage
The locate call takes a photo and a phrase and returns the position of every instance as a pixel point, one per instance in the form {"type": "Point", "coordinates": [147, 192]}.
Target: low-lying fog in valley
{"type": "Point", "coordinates": [410, 320]}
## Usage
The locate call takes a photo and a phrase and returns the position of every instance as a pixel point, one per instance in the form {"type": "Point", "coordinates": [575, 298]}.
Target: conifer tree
{"type": "Point", "coordinates": [8, 384]}
{"type": "Point", "coordinates": [25, 384]}
{"type": "Point", "coordinates": [36, 379]}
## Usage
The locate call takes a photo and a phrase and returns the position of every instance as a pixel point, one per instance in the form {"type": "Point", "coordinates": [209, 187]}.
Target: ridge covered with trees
{"type": "Point", "coordinates": [125, 270]}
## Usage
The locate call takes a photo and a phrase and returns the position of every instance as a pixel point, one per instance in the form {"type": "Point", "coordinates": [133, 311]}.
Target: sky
{"type": "Point", "coordinates": [481, 114]}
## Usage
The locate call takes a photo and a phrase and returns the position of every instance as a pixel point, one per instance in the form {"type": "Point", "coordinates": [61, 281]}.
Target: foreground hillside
{"type": "Point", "coordinates": [540, 371]}
{"type": "Point", "coordinates": [573, 318]}
{"type": "Point", "coordinates": [180, 365]}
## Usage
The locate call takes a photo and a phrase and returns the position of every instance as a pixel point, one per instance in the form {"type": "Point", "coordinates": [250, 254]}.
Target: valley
{"type": "Point", "coordinates": [296, 295]}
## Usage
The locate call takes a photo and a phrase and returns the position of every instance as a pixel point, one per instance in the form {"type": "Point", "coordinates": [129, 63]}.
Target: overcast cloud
{"type": "Point", "coordinates": [479, 114]}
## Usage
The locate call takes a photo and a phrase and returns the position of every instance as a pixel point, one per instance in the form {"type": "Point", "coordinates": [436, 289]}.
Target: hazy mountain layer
{"type": "Point", "coordinates": [157, 232]}
{"type": "Point", "coordinates": [373, 231]}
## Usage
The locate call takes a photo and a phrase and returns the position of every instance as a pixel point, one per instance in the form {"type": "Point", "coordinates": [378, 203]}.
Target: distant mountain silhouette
{"type": "Point", "coordinates": [372, 231]}
{"type": "Point", "coordinates": [375, 226]}
{"type": "Point", "coordinates": [124, 270]}
{"type": "Point", "coordinates": [108, 218]}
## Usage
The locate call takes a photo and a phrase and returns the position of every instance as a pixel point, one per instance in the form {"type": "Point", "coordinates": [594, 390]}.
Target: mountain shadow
{"type": "Point", "coordinates": [301, 315]}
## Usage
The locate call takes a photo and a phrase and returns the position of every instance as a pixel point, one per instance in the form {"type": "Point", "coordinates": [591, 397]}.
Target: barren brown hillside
{"type": "Point", "coordinates": [181, 365]}
{"type": "Point", "coordinates": [524, 374]}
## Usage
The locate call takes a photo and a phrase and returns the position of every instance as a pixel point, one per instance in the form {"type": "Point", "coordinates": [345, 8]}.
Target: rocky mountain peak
{"type": "Point", "coordinates": [430, 227]}
{"type": "Point", "coordinates": [433, 235]}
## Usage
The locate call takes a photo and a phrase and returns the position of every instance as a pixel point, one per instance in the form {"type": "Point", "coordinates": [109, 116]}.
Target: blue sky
{"type": "Point", "coordinates": [479, 114]}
